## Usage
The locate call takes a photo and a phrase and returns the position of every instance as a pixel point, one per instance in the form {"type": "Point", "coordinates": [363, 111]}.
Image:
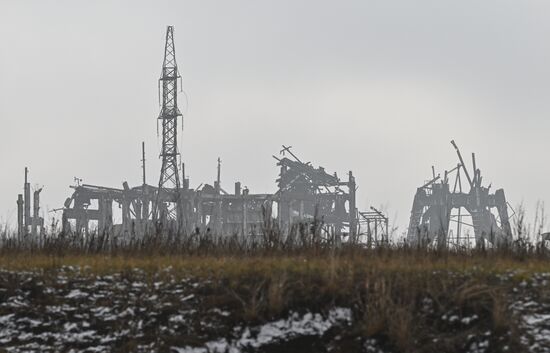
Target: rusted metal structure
{"type": "Point", "coordinates": [434, 201]}
{"type": "Point", "coordinates": [305, 193]}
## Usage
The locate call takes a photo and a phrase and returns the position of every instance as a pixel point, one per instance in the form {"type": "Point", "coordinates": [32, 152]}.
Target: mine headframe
{"type": "Point", "coordinates": [309, 193]}
{"type": "Point", "coordinates": [434, 201]}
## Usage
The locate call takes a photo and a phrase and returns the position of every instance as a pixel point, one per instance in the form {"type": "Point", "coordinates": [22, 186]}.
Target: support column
{"type": "Point", "coordinates": [20, 216]}
{"type": "Point", "coordinates": [65, 225]}
{"type": "Point", "coordinates": [352, 208]}
{"type": "Point", "coordinates": [369, 235]}
{"type": "Point", "coordinates": [105, 221]}
{"type": "Point", "coordinates": [126, 220]}
{"type": "Point", "coordinates": [27, 201]}
{"type": "Point", "coordinates": [101, 220]}
{"type": "Point", "coordinates": [35, 217]}
{"type": "Point", "coordinates": [245, 218]}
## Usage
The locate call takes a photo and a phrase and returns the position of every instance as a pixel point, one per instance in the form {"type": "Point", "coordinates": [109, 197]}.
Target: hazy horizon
{"type": "Point", "coordinates": [376, 87]}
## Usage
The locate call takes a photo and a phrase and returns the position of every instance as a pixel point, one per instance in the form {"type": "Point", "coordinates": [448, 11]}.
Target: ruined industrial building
{"type": "Point", "coordinates": [431, 215]}
{"type": "Point", "coordinates": [306, 196]}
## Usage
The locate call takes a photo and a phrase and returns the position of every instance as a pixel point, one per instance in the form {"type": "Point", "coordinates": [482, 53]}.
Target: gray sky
{"type": "Point", "coordinates": [378, 87]}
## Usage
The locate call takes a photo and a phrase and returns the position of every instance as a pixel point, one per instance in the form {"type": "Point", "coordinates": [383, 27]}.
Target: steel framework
{"type": "Point", "coordinates": [165, 208]}
{"type": "Point", "coordinates": [375, 225]}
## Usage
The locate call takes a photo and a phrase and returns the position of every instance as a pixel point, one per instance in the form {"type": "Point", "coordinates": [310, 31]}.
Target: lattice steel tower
{"type": "Point", "coordinates": [169, 182]}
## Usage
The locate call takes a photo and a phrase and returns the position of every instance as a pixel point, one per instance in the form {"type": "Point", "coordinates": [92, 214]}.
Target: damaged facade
{"type": "Point", "coordinates": [305, 194]}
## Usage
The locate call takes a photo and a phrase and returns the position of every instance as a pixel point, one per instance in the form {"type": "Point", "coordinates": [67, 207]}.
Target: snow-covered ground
{"type": "Point", "coordinates": [272, 332]}
{"type": "Point", "coordinates": [532, 306]}
{"type": "Point", "coordinates": [74, 310]}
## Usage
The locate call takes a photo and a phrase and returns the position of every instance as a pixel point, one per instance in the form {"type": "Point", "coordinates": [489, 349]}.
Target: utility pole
{"type": "Point", "coordinates": [218, 185]}
{"type": "Point", "coordinates": [143, 162]}
{"type": "Point", "coordinates": [27, 201]}
{"type": "Point", "coordinates": [169, 182]}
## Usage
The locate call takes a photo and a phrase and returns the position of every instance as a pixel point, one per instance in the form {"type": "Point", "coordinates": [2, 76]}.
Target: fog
{"type": "Point", "coordinates": [377, 87]}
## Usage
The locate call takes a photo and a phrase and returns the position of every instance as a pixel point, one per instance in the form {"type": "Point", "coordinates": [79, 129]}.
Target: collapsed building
{"type": "Point", "coordinates": [305, 194]}
{"type": "Point", "coordinates": [431, 214]}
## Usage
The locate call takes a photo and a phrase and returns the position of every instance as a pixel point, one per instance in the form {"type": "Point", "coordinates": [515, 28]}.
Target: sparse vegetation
{"type": "Point", "coordinates": [401, 300]}
{"type": "Point", "coordinates": [202, 293]}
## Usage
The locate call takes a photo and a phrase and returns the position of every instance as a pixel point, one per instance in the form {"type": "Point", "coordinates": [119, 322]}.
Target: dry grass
{"type": "Point", "coordinates": [398, 295]}
{"type": "Point", "coordinates": [330, 263]}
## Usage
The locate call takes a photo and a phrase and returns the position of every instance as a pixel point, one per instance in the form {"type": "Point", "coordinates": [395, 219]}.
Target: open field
{"type": "Point", "coordinates": [316, 301]}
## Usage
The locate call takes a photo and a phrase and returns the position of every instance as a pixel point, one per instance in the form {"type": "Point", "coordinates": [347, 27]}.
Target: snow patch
{"type": "Point", "coordinates": [282, 330]}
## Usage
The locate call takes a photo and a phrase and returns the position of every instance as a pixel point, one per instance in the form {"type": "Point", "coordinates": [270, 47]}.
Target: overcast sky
{"type": "Point", "coordinates": [377, 87]}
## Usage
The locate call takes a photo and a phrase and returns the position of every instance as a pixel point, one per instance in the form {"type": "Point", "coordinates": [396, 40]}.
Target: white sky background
{"type": "Point", "coordinates": [378, 87]}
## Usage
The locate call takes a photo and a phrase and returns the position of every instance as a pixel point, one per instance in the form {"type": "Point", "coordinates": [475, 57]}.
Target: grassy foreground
{"type": "Point", "coordinates": [404, 301]}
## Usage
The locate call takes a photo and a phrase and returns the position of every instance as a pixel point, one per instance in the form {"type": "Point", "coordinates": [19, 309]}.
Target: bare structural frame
{"type": "Point", "coordinates": [306, 194]}
{"type": "Point", "coordinates": [434, 201]}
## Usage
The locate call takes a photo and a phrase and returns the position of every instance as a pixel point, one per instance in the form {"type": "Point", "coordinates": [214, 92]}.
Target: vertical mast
{"type": "Point", "coordinates": [218, 181]}
{"type": "Point", "coordinates": [27, 201]}
{"type": "Point", "coordinates": [169, 181]}
{"type": "Point", "coordinates": [143, 163]}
